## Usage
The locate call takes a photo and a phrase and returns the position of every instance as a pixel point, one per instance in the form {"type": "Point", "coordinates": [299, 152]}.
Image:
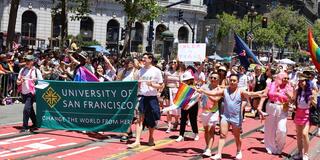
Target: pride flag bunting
{"type": "Point", "coordinates": [314, 50]}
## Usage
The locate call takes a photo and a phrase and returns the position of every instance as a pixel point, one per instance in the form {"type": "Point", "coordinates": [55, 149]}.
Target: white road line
{"type": "Point", "coordinates": [15, 149]}
{"type": "Point", "coordinates": [26, 140]}
{"type": "Point", "coordinates": [67, 144]}
{"type": "Point", "coordinates": [5, 134]}
{"type": "Point", "coordinates": [46, 141]}
{"type": "Point", "coordinates": [13, 139]}
{"type": "Point", "coordinates": [15, 153]}
{"type": "Point", "coordinates": [81, 151]}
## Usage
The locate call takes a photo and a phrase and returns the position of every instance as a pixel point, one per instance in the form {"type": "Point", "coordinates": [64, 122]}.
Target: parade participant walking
{"type": "Point", "coordinates": [279, 94]}
{"type": "Point", "coordinates": [151, 80]}
{"type": "Point", "coordinates": [191, 110]}
{"type": "Point", "coordinates": [303, 101]}
{"type": "Point", "coordinates": [231, 115]}
{"type": "Point", "coordinates": [171, 78]}
{"type": "Point", "coordinates": [27, 78]}
{"type": "Point", "coordinates": [210, 113]}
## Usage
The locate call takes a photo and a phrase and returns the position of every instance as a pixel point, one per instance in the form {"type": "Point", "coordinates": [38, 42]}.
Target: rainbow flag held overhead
{"type": "Point", "coordinates": [182, 98]}
{"type": "Point", "coordinates": [314, 50]}
{"type": "Point", "coordinates": [84, 75]}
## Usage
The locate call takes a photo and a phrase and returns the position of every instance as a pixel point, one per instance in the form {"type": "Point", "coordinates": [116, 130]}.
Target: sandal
{"type": "Point", "coordinates": [133, 145]}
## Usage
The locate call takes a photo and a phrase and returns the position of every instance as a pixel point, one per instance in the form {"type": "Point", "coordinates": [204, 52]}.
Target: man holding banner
{"type": "Point", "coordinates": [150, 80]}
{"type": "Point", "coordinates": [27, 77]}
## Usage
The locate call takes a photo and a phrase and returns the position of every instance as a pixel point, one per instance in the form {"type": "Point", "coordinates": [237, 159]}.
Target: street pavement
{"type": "Point", "coordinates": [58, 144]}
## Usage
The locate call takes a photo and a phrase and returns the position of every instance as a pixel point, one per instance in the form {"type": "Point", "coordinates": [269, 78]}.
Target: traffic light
{"type": "Point", "coordinates": [151, 31]}
{"type": "Point", "coordinates": [180, 15]}
{"type": "Point", "coordinates": [123, 33]}
{"type": "Point", "coordinates": [264, 22]}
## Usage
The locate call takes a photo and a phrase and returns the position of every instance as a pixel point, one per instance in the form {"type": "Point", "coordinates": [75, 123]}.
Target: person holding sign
{"type": "Point", "coordinates": [150, 80]}
{"type": "Point", "coordinates": [27, 77]}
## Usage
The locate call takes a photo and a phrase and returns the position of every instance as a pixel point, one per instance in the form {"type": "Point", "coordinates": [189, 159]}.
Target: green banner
{"type": "Point", "coordinates": [86, 106]}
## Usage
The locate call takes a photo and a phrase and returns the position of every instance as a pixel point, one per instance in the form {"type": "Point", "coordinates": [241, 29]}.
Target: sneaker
{"type": "Point", "coordinates": [305, 157]}
{"type": "Point", "coordinates": [168, 130]}
{"type": "Point", "coordinates": [207, 153]}
{"type": "Point", "coordinates": [216, 157]}
{"type": "Point", "coordinates": [124, 139]}
{"type": "Point", "coordinates": [239, 155]}
{"type": "Point", "coordinates": [179, 139]}
{"type": "Point", "coordinates": [24, 130]}
{"type": "Point", "coordinates": [196, 137]}
{"type": "Point", "coordinates": [297, 156]}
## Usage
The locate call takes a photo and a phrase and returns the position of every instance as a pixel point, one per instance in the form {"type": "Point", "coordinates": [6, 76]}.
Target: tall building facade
{"type": "Point", "coordinates": [39, 28]}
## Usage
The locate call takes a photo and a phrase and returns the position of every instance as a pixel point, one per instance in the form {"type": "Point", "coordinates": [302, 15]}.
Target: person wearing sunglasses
{"type": "Point", "coordinates": [279, 94]}
{"type": "Point", "coordinates": [303, 99]}
{"type": "Point", "coordinates": [231, 115]}
{"type": "Point", "coordinates": [210, 112]}
{"type": "Point", "coordinates": [171, 79]}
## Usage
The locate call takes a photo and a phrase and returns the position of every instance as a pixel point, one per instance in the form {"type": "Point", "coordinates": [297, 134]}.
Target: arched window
{"type": "Point", "coordinates": [159, 42]}
{"type": "Point", "coordinates": [160, 28]}
{"type": "Point", "coordinates": [86, 28]}
{"type": "Point", "coordinates": [29, 28]}
{"type": "Point", "coordinates": [113, 35]}
{"type": "Point", "coordinates": [183, 35]}
{"type": "Point", "coordinates": [137, 38]}
{"type": "Point", "coordinates": [56, 30]}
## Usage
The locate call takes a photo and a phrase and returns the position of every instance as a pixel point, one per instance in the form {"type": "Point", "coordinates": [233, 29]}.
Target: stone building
{"type": "Point", "coordinates": [38, 29]}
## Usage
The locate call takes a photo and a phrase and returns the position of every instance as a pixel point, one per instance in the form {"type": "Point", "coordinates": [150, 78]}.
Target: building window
{"type": "Point", "coordinates": [137, 39]}
{"type": "Point", "coordinates": [113, 27]}
{"type": "Point", "coordinates": [56, 30]}
{"type": "Point", "coordinates": [28, 28]}
{"type": "Point", "coordinates": [159, 42]}
{"type": "Point", "coordinates": [183, 35]}
{"type": "Point", "coordinates": [86, 28]}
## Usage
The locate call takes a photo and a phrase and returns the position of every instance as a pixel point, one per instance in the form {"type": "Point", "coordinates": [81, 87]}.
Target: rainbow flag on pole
{"type": "Point", "coordinates": [182, 98]}
{"type": "Point", "coordinates": [314, 50]}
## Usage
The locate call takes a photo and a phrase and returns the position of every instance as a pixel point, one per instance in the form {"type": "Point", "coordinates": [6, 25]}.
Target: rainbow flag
{"type": "Point", "coordinates": [314, 50]}
{"type": "Point", "coordinates": [84, 75]}
{"type": "Point", "coordinates": [182, 98]}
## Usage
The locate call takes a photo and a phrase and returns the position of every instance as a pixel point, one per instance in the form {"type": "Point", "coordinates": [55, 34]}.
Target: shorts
{"type": "Point", "coordinates": [301, 116]}
{"type": "Point", "coordinates": [149, 107]}
{"type": "Point", "coordinates": [210, 118]}
{"type": "Point", "coordinates": [232, 122]}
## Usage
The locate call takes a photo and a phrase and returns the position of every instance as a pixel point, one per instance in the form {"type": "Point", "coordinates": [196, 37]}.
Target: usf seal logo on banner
{"type": "Point", "coordinates": [51, 97]}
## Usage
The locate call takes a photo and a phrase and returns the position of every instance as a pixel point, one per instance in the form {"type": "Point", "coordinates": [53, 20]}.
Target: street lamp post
{"type": "Point", "coordinates": [29, 32]}
{"type": "Point", "coordinates": [251, 16]}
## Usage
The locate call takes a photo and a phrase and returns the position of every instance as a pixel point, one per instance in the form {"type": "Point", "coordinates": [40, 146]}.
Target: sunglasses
{"type": "Point", "coordinates": [285, 78]}
{"type": "Point", "coordinates": [214, 78]}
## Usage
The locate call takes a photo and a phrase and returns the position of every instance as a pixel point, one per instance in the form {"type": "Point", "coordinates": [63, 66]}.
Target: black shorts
{"type": "Point", "coordinates": [149, 107]}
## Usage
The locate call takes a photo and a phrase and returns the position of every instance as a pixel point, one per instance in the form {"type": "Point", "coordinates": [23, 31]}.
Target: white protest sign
{"type": "Point", "coordinates": [194, 52]}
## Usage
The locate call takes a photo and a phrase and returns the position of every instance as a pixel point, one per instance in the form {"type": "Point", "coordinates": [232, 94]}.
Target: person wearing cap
{"type": "Point", "coordinates": [150, 81]}
{"type": "Point", "coordinates": [191, 110]}
{"type": "Point", "coordinates": [82, 61]}
{"type": "Point", "coordinates": [302, 97]}
{"type": "Point", "coordinates": [231, 115]}
{"type": "Point", "coordinates": [27, 77]}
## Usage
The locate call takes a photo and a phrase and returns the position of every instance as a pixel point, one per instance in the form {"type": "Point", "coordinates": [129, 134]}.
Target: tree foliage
{"type": "Point", "coordinates": [286, 29]}
{"type": "Point", "coordinates": [139, 10]}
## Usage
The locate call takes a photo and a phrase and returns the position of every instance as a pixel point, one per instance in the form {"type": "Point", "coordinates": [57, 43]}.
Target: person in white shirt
{"type": "Point", "coordinates": [150, 80]}
{"type": "Point", "coordinates": [27, 77]}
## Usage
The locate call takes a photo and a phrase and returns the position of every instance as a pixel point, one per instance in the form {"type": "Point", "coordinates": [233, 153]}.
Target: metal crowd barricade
{"type": "Point", "coordinates": [8, 88]}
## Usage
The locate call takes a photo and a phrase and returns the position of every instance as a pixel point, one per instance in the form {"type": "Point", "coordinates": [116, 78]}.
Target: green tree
{"type": "Point", "coordinates": [81, 42]}
{"type": "Point", "coordinates": [12, 22]}
{"type": "Point", "coordinates": [138, 10]}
